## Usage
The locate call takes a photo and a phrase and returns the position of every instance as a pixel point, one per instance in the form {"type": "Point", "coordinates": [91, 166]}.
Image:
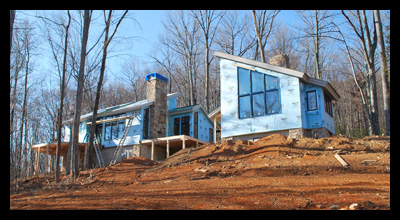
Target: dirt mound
{"type": "Point", "coordinates": [273, 155]}
{"type": "Point", "coordinates": [139, 161]}
{"type": "Point", "coordinates": [274, 172]}
{"type": "Point", "coordinates": [274, 139]}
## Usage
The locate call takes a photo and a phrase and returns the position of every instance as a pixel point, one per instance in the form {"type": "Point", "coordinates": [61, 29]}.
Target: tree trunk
{"type": "Point", "coordinates": [12, 18]}
{"type": "Point", "coordinates": [316, 46]}
{"type": "Point", "coordinates": [107, 41]}
{"type": "Point", "coordinates": [98, 92]}
{"type": "Point", "coordinates": [384, 69]}
{"type": "Point", "coordinates": [78, 102]}
{"type": "Point", "coordinates": [207, 78]}
{"type": "Point", "coordinates": [57, 174]}
{"type": "Point", "coordinates": [258, 37]}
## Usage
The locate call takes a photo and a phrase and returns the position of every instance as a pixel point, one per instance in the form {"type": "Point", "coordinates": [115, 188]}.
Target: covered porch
{"type": "Point", "coordinates": [50, 148]}
{"type": "Point", "coordinates": [215, 116]}
{"type": "Point", "coordinates": [162, 148]}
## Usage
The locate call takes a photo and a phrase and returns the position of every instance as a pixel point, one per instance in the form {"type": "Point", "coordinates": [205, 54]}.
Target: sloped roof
{"type": "Point", "coordinates": [114, 110]}
{"type": "Point", "coordinates": [181, 109]}
{"type": "Point", "coordinates": [302, 76]}
{"type": "Point", "coordinates": [191, 108]}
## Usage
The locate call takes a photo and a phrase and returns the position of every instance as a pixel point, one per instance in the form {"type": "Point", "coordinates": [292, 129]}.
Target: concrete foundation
{"type": "Point", "coordinates": [292, 133]}
{"type": "Point", "coordinates": [125, 152]}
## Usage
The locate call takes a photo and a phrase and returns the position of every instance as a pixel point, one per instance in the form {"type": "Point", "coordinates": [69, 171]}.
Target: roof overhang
{"type": "Point", "coordinates": [302, 76]}
{"type": "Point", "coordinates": [114, 110]}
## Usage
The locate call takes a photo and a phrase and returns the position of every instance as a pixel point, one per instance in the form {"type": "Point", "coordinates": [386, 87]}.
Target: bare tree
{"type": "Point", "coordinates": [368, 44]}
{"type": "Point", "coordinates": [234, 35]}
{"type": "Point", "coordinates": [99, 84]}
{"type": "Point", "coordinates": [78, 102]}
{"type": "Point", "coordinates": [62, 91]}
{"type": "Point", "coordinates": [355, 78]}
{"type": "Point", "coordinates": [206, 18]}
{"type": "Point", "coordinates": [384, 69]}
{"type": "Point", "coordinates": [182, 31]}
{"type": "Point", "coordinates": [317, 27]}
{"type": "Point", "coordinates": [263, 23]}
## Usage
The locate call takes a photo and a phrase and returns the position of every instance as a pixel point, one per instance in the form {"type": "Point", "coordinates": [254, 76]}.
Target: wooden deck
{"type": "Point", "coordinates": [50, 148]}
{"type": "Point", "coordinates": [178, 141]}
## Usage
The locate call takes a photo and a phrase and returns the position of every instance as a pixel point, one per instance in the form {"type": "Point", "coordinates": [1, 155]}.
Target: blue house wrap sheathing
{"type": "Point", "coordinates": [258, 99]}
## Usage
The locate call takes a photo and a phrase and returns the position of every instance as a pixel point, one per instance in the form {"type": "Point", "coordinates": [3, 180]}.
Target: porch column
{"type": "Point", "coordinates": [215, 130]}
{"type": "Point", "coordinates": [152, 150]}
{"type": "Point", "coordinates": [85, 158]}
{"type": "Point", "coordinates": [167, 148]}
{"type": "Point", "coordinates": [46, 165]}
{"type": "Point", "coordinates": [37, 161]}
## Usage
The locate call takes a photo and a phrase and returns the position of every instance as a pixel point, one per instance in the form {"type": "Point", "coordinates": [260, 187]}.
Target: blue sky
{"type": "Point", "coordinates": [151, 26]}
{"type": "Point", "coordinates": [145, 35]}
{"type": "Point", "coordinates": [150, 23]}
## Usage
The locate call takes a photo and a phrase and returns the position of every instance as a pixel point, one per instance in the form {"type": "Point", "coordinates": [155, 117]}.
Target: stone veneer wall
{"type": "Point", "coordinates": [157, 91]}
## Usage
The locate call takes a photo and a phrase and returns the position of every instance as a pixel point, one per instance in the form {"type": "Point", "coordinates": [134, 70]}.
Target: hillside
{"type": "Point", "coordinates": [274, 172]}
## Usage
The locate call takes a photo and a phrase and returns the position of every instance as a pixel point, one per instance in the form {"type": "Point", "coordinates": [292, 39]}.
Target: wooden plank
{"type": "Point", "coordinates": [340, 159]}
{"type": "Point", "coordinates": [112, 119]}
{"type": "Point", "coordinates": [245, 67]}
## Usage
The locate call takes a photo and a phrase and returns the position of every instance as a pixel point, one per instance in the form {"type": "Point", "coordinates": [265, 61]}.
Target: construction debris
{"type": "Point", "coordinates": [340, 159]}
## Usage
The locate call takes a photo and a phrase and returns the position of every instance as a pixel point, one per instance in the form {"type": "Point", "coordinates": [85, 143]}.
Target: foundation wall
{"type": "Point", "coordinates": [292, 133]}
{"type": "Point", "coordinates": [125, 152]}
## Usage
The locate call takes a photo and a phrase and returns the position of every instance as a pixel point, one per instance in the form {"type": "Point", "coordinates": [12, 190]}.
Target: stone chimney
{"type": "Point", "coordinates": [157, 91]}
{"type": "Point", "coordinates": [280, 60]}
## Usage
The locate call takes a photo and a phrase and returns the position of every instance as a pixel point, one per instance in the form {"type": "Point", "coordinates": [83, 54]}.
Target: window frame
{"type": "Point", "coordinates": [177, 126]}
{"type": "Point", "coordinates": [328, 105]}
{"type": "Point", "coordinates": [264, 92]}
{"type": "Point", "coordinates": [316, 100]}
{"type": "Point", "coordinates": [196, 124]}
{"type": "Point", "coordinates": [185, 124]}
{"type": "Point", "coordinates": [146, 123]}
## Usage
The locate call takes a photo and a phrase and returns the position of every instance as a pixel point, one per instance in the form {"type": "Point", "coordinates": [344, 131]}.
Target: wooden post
{"type": "Point", "coordinates": [167, 148]}
{"type": "Point", "coordinates": [51, 164]}
{"type": "Point", "coordinates": [183, 142]}
{"type": "Point", "coordinates": [152, 150]}
{"type": "Point", "coordinates": [215, 130]}
{"type": "Point", "coordinates": [85, 158]}
{"type": "Point", "coordinates": [37, 161]}
{"type": "Point", "coordinates": [46, 165]}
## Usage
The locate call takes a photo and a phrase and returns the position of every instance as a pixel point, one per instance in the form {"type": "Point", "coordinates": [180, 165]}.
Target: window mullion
{"type": "Point", "coordinates": [251, 93]}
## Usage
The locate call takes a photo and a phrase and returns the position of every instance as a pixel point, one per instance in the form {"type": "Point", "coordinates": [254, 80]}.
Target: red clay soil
{"type": "Point", "coordinates": [274, 172]}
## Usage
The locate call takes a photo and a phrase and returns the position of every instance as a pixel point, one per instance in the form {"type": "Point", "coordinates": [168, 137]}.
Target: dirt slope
{"type": "Point", "coordinates": [274, 172]}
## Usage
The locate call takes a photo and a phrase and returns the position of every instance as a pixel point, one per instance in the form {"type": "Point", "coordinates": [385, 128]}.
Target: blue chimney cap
{"type": "Point", "coordinates": [157, 76]}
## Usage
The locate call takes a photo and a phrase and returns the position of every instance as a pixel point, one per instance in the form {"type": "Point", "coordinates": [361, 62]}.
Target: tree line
{"type": "Point", "coordinates": [349, 49]}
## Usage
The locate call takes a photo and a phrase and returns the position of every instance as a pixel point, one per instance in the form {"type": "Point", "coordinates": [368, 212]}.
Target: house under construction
{"type": "Point", "coordinates": [153, 128]}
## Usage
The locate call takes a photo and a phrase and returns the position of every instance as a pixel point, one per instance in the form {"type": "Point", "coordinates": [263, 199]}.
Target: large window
{"type": "Point", "coordinates": [114, 129]}
{"type": "Point", "coordinates": [181, 126]}
{"type": "Point", "coordinates": [311, 100]}
{"type": "Point", "coordinates": [258, 94]}
{"type": "Point", "coordinates": [185, 129]}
